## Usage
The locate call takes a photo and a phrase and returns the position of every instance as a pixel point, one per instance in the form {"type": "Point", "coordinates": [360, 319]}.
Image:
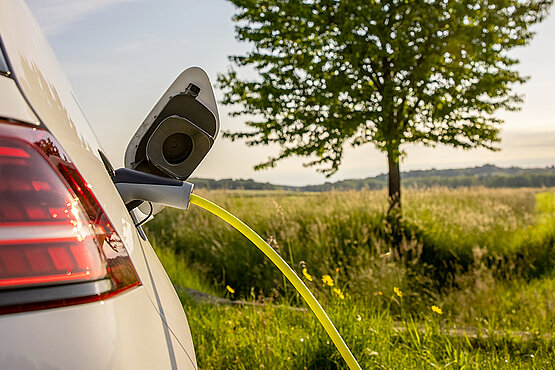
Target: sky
{"type": "Point", "coordinates": [121, 55]}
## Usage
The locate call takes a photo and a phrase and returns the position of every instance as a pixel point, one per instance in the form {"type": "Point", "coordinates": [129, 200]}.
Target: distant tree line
{"type": "Point", "coordinates": [231, 184]}
{"type": "Point", "coordinates": [488, 176]}
{"type": "Point", "coordinates": [490, 181]}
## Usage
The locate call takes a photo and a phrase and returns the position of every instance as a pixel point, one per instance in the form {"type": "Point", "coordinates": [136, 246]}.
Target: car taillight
{"type": "Point", "coordinates": [57, 246]}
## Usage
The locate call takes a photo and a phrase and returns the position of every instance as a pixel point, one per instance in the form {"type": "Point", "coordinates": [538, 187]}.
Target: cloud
{"type": "Point", "coordinates": [55, 16]}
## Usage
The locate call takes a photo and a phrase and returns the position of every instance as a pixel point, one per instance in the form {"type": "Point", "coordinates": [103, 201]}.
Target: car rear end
{"type": "Point", "coordinates": [79, 288]}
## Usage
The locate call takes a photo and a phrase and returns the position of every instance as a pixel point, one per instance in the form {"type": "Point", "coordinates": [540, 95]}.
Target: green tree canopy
{"type": "Point", "coordinates": [337, 72]}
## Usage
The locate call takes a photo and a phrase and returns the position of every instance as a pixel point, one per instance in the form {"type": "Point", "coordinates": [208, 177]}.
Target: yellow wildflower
{"type": "Point", "coordinates": [327, 280]}
{"type": "Point", "coordinates": [339, 293]}
{"type": "Point", "coordinates": [230, 289]}
{"type": "Point", "coordinates": [437, 310]}
{"type": "Point", "coordinates": [380, 293]}
{"type": "Point", "coordinates": [398, 292]}
{"type": "Point", "coordinates": [307, 275]}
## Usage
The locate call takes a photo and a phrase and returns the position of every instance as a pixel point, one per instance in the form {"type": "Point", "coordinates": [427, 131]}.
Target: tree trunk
{"type": "Point", "coordinates": [394, 183]}
{"type": "Point", "coordinates": [394, 215]}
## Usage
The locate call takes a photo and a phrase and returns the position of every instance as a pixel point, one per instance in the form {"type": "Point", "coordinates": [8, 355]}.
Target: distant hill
{"type": "Point", "coordinates": [488, 175]}
{"type": "Point", "coordinates": [231, 184]}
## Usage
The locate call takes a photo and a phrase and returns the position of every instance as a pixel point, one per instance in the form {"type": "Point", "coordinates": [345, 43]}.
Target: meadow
{"type": "Point", "coordinates": [474, 286]}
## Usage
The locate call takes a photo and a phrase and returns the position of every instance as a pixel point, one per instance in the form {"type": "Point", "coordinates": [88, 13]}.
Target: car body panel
{"type": "Point", "coordinates": [37, 92]}
{"type": "Point", "coordinates": [12, 104]}
{"type": "Point", "coordinates": [91, 336]}
{"type": "Point", "coordinates": [164, 298]}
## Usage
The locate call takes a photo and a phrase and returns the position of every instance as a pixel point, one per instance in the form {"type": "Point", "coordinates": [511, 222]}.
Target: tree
{"type": "Point", "coordinates": [337, 72]}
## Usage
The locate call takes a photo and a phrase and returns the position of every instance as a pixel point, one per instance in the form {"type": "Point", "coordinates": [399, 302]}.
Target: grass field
{"type": "Point", "coordinates": [475, 287]}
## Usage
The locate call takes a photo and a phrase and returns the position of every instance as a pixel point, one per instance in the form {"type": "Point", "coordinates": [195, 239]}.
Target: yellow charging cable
{"type": "Point", "coordinates": [286, 270]}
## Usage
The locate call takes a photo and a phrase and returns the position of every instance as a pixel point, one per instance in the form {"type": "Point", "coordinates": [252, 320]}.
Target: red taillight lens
{"type": "Point", "coordinates": [53, 232]}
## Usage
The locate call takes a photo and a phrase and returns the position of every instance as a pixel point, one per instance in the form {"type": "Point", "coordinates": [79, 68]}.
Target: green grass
{"type": "Point", "coordinates": [484, 256]}
{"type": "Point", "coordinates": [505, 305]}
{"type": "Point", "coordinates": [449, 231]}
{"type": "Point", "coordinates": [276, 338]}
{"type": "Point", "coordinates": [181, 272]}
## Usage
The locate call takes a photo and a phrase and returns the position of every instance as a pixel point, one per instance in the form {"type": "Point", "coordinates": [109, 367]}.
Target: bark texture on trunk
{"type": "Point", "coordinates": [394, 183]}
{"type": "Point", "coordinates": [394, 215]}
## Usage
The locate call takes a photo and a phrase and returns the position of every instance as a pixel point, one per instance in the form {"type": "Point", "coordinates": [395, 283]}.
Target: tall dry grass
{"type": "Point", "coordinates": [446, 230]}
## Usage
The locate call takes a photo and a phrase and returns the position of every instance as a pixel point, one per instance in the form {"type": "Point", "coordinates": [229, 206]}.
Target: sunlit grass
{"type": "Point", "coordinates": [480, 260]}
{"type": "Point", "coordinates": [271, 337]}
{"type": "Point", "coordinates": [448, 230]}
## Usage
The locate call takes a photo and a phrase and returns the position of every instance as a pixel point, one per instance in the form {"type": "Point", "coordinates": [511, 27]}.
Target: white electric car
{"type": "Point", "coordinates": [80, 286]}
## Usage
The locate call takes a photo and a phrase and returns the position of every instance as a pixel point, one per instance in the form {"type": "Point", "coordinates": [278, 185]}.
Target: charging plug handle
{"type": "Point", "coordinates": [136, 187]}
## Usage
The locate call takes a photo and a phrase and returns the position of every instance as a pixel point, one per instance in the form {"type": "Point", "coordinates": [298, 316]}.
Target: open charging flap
{"type": "Point", "coordinates": [178, 132]}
